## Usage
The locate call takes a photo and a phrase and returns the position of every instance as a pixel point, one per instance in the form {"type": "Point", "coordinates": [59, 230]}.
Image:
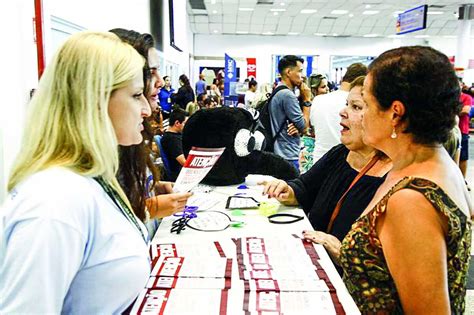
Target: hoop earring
{"type": "Point", "coordinates": [394, 134]}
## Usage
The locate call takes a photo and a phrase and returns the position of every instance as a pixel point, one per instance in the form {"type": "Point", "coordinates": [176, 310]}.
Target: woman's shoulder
{"type": "Point", "coordinates": [337, 152]}
{"type": "Point", "coordinates": [431, 191]}
{"type": "Point", "coordinates": [56, 193]}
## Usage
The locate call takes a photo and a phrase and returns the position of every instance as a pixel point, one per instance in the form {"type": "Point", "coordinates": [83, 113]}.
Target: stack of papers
{"type": "Point", "coordinates": [237, 276]}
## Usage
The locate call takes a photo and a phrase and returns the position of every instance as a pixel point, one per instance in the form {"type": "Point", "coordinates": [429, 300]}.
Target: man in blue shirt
{"type": "Point", "coordinates": [201, 85]}
{"type": "Point", "coordinates": [285, 109]}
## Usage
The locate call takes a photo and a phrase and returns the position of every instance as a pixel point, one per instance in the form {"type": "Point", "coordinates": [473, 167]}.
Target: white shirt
{"type": "Point", "coordinates": [324, 116]}
{"type": "Point", "coordinates": [66, 248]}
{"type": "Point", "coordinates": [248, 99]}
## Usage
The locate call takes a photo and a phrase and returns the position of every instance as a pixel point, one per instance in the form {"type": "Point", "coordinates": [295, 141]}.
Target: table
{"type": "Point", "coordinates": [255, 225]}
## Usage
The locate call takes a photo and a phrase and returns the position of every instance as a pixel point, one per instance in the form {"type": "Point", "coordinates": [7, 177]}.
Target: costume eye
{"type": "Point", "coordinates": [241, 142]}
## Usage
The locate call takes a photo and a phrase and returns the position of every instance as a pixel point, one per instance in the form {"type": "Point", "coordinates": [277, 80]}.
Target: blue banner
{"type": "Point", "coordinates": [230, 80]}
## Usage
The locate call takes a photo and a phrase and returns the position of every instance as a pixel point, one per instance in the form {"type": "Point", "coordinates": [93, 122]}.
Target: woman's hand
{"type": "Point", "coordinates": [163, 188]}
{"type": "Point", "coordinates": [165, 205]}
{"type": "Point", "coordinates": [330, 242]}
{"type": "Point", "coordinates": [280, 190]}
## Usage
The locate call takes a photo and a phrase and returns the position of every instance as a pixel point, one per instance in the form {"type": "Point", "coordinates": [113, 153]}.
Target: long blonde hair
{"type": "Point", "coordinates": [68, 123]}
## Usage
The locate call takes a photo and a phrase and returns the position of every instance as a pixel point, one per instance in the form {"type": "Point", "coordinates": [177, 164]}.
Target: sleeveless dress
{"type": "Point", "coordinates": [366, 273]}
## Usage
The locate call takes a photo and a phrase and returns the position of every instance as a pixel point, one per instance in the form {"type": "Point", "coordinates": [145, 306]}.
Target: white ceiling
{"type": "Point", "coordinates": [224, 17]}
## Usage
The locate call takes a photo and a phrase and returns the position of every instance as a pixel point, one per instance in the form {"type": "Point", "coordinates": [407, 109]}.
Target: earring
{"type": "Point", "coordinates": [394, 134]}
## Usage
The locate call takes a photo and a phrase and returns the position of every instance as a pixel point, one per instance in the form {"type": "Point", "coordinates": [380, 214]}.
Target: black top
{"type": "Point", "coordinates": [319, 190]}
{"type": "Point", "coordinates": [183, 97]}
{"type": "Point", "coordinates": [172, 144]}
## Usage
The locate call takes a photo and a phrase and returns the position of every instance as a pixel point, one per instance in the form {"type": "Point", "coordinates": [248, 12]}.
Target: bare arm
{"type": "Point", "coordinates": [466, 110]}
{"type": "Point", "coordinates": [412, 234]}
{"type": "Point", "coordinates": [181, 159]}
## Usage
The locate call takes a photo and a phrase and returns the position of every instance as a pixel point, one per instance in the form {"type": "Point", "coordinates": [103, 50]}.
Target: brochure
{"type": "Point", "coordinates": [198, 164]}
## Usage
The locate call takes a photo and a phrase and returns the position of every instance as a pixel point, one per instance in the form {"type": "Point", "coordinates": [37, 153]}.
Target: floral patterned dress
{"type": "Point", "coordinates": [366, 273]}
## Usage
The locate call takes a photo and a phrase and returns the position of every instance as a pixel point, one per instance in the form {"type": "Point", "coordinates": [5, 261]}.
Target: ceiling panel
{"type": "Point", "coordinates": [225, 16]}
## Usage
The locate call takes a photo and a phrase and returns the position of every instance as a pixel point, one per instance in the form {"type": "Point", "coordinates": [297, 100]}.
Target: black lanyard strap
{"type": "Point", "coordinates": [118, 201]}
{"type": "Point", "coordinates": [294, 218]}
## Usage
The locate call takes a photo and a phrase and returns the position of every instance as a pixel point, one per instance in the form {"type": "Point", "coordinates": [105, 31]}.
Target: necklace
{"type": "Point", "coordinates": [118, 201]}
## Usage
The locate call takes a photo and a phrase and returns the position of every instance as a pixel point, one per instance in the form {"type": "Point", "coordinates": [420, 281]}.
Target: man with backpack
{"type": "Point", "coordinates": [284, 109]}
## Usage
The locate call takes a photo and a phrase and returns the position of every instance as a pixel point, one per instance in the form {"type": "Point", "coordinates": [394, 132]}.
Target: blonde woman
{"type": "Point", "coordinates": [71, 243]}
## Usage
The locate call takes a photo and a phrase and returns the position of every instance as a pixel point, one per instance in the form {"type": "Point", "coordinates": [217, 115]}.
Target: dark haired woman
{"type": "Point", "coordinates": [185, 93]}
{"type": "Point", "coordinates": [409, 250]}
{"type": "Point", "coordinates": [135, 164]}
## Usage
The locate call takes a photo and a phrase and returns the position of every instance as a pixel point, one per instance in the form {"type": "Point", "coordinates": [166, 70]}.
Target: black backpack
{"type": "Point", "coordinates": [265, 120]}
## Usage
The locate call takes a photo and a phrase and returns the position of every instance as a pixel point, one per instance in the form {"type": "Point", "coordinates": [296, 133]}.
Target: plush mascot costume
{"type": "Point", "coordinates": [237, 130]}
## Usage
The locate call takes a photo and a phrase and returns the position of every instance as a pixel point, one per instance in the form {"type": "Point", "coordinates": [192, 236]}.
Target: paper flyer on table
{"type": "Point", "coordinates": [197, 165]}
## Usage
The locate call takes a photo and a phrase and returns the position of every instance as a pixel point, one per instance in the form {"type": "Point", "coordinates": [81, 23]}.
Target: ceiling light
{"type": "Point", "coordinates": [370, 12]}
{"type": "Point", "coordinates": [308, 11]}
{"type": "Point", "coordinates": [241, 32]}
{"type": "Point", "coordinates": [371, 35]}
{"type": "Point", "coordinates": [282, 4]}
{"type": "Point", "coordinates": [216, 31]}
{"type": "Point", "coordinates": [435, 12]}
{"type": "Point", "coordinates": [213, 1]}
{"type": "Point", "coordinates": [335, 34]}
{"type": "Point", "coordinates": [275, 13]}
{"type": "Point", "coordinates": [278, 10]}
{"type": "Point", "coordinates": [351, 15]}
{"type": "Point", "coordinates": [339, 11]}
{"type": "Point", "coordinates": [422, 36]}
{"type": "Point", "coordinates": [395, 36]}
{"type": "Point", "coordinates": [320, 34]}
{"type": "Point", "coordinates": [293, 33]}
{"type": "Point", "coordinates": [245, 9]}
{"type": "Point", "coordinates": [214, 11]}
{"type": "Point", "coordinates": [367, 6]}
{"type": "Point", "coordinates": [267, 33]}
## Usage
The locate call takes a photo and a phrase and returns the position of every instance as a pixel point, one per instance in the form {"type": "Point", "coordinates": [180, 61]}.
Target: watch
{"type": "Point", "coordinates": [307, 104]}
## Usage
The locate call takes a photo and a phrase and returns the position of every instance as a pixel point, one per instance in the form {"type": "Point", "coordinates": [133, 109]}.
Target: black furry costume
{"type": "Point", "coordinates": [216, 128]}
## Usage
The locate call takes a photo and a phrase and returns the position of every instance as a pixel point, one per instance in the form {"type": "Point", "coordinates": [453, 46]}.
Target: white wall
{"type": "Point", "coordinates": [19, 75]}
{"type": "Point", "coordinates": [183, 39]}
{"type": "Point", "coordinates": [263, 47]}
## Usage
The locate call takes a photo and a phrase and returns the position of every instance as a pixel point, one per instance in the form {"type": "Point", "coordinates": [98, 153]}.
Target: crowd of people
{"type": "Point", "coordinates": [384, 196]}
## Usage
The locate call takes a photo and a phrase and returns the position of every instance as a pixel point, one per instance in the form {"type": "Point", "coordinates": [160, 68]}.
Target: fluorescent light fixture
{"type": "Point", "coordinates": [371, 35]}
{"type": "Point", "coordinates": [245, 9]}
{"type": "Point", "coordinates": [370, 12]}
{"type": "Point", "coordinates": [216, 31]}
{"type": "Point", "coordinates": [320, 34]}
{"type": "Point", "coordinates": [435, 12]}
{"type": "Point", "coordinates": [367, 6]}
{"type": "Point", "coordinates": [278, 10]}
{"type": "Point", "coordinates": [308, 11]}
{"type": "Point", "coordinates": [422, 36]}
{"type": "Point", "coordinates": [275, 13]}
{"type": "Point", "coordinates": [395, 36]}
{"type": "Point", "coordinates": [241, 32]}
{"type": "Point", "coordinates": [268, 33]}
{"type": "Point", "coordinates": [351, 15]}
{"type": "Point", "coordinates": [282, 4]}
{"type": "Point", "coordinates": [214, 11]}
{"type": "Point", "coordinates": [335, 34]}
{"type": "Point", "coordinates": [213, 1]}
{"type": "Point", "coordinates": [339, 12]}
{"type": "Point", "coordinates": [293, 33]}
{"type": "Point", "coordinates": [396, 13]}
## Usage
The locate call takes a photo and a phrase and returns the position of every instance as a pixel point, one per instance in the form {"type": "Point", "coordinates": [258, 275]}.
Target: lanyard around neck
{"type": "Point", "coordinates": [118, 201]}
